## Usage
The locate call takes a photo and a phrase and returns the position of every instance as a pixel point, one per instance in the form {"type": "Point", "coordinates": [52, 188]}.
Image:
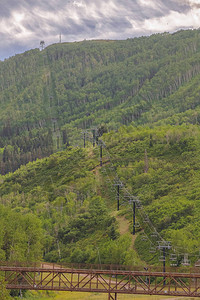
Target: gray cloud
{"type": "Point", "coordinates": [179, 6]}
{"type": "Point", "coordinates": [24, 23]}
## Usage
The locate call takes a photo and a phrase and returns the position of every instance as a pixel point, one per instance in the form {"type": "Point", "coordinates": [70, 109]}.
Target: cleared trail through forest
{"type": "Point", "coordinates": [124, 225]}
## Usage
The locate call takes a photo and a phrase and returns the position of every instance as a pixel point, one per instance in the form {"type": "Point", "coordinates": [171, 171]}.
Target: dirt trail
{"type": "Point", "coordinates": [124, 225]}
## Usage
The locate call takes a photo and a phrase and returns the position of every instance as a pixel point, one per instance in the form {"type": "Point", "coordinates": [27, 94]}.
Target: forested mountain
{"type": "Point", "coordinates": [48, 97]}
{"type": "Point", "coordinates": [139, 100]}
{"type": "Point", "coordinates": [64, 194]}
{"type": "Point", "coordinates": [72, 199]}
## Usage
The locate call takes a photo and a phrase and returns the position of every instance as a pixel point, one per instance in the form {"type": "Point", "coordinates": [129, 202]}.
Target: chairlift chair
{"type": "Point", "coordinates": [162, 258]}
{"type": "Point", "coordinates": [152, 249]}
{"type": "Point", "coordinates": [137, 225]}
{"type": "Point", "coordinates": [173, 257]}
{"type": "Point", "coordinates": [186, 261]}
{"type": "Point", "coordinates": [154, 235]}
{"type": "Point", "coordinates": [138, 205]}
{"type": "Point", "coordinates": [146, 220]}
{"type": "Point", "coordinates": [144, 238]}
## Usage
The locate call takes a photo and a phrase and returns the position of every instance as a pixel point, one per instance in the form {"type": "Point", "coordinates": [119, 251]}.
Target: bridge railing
{"type": "Point", "coordinates": [112, 267]}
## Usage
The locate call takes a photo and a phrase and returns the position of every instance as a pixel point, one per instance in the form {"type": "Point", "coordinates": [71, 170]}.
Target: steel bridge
{"type": "Point", "coordinates": [112, 280]}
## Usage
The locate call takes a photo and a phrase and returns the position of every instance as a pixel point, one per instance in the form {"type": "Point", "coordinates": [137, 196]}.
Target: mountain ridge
{"type": "Point", "coordinates": [48, 97]}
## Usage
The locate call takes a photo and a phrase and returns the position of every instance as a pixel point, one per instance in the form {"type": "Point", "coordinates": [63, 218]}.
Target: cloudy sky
{"type": "Point", "coordinates": [24, 23]}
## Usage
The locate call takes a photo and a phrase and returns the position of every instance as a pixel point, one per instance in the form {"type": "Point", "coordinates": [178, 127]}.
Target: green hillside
{"type": "Point", "coordinates": [74, 199]}
{"type": "Point", "coordinates": [64, 193]}
{"type": "Point", "coordinates": [141, 97]}
{"type": "Point", "coordinates": [47, 98]}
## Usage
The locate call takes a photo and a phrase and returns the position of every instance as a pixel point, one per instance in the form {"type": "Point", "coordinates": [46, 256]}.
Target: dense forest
{"type": "Point", "coordinates": [136, 104]}
{"type": "Point", "coordinates": [48, 97]}
{"type": "Point", "coordinates": [67, 207]}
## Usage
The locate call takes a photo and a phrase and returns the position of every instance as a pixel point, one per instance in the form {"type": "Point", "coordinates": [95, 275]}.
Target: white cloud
{"type": "Point", "coordinates": [27, 22]}
{"type": "Point", "coordinates": [173, 21]}
{"type": "Point", "coordinates": [194, 1]}
{"type": "Point", "coordinates": [79, 3]}
{"type": "Point", "coordinates": [150, 3]}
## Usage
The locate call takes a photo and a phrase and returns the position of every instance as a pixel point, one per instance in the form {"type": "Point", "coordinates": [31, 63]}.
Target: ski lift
{"type": "Point", "coordinates": [197, 263]}
{"type": "Point", "coordinates": [186, 261]}
{"type": "Point", "coordinates": [164, 245]}
{"type": "Point", "coordinates": [173, 257]}
{"type": "Point", "coordinates": [154, 235]}
{"type": "Point", "coordinates": [146, 219]}
{"type": "Point", "coordinates": [162, 258]}
{"type": "Point", "coordinates": [152, 249]}
{"type": "Point", "coordinates": [127, 196]}
{"type": "Point", "coordinates": [144, 238]}
{"type": "Point", "coordinates": [138, 205]}
{"type": "Point", "coordinates": [137, 225]}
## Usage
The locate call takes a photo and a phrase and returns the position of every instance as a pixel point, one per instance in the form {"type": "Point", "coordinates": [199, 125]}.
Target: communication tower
{"type": "Point", "coordinates": [42, 45]}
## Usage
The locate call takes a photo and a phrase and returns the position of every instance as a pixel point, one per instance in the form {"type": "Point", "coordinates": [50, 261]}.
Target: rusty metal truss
{"type": "Point", "coordinates": [112, 282]}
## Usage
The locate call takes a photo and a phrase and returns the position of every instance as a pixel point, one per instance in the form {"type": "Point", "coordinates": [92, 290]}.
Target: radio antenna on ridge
{"type": "Point", "coordinates": [42, 45]}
